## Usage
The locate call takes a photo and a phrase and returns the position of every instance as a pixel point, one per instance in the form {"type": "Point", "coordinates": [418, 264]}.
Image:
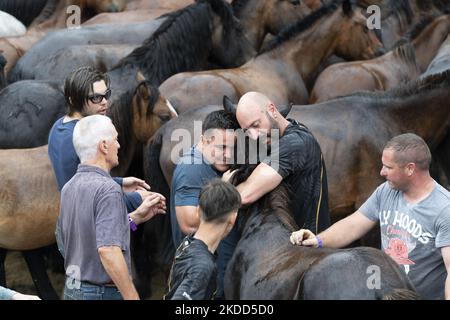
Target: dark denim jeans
{"type": "Point", "coordinates": [88, 291]}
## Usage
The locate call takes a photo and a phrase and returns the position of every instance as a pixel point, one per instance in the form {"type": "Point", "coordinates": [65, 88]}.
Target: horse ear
{"type": "Point", "coordinates": [142, 89]}
{"type": "Point", "coordinates": [284, 110]}
{"type": "Point", "coordinates": [228, 105]}
{"type": "Point", "coordinates": [347, 7]}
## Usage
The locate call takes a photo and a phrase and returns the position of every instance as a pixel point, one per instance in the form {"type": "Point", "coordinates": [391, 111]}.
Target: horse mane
{"type": "Point", "coordinates": [161, 55]}
{"type": "Point", "coordinates": [402, 9]}
{"type": "Point", "coordinates": [406, 52]}
{"type": "Point", "coordinates": [420, 26]}
{"type": "Point", "coordinates": [300, 26]}
{"type": "Point", "coordinates": [46, 12]}
{"type": "Point", "coordinates": [420, 86]}
{"type": "Point", "coordinates": [274, 204]}
{"type": "Point", "coordinates": [440, 5]}
{"type": "Point", "coordinates": [239, 5]}
{"type": "Point", "coordinates": [120, 113]}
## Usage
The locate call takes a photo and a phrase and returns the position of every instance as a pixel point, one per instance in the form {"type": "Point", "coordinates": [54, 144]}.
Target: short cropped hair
{"type": "Point", "coordinates": [217, 200]}
{"type": "Point", "coordinates": [409, 147]}
{"type": "Point", "coordinates": [87, 134]}
{"type": "Point", "coordinates": [220, 119]}
{"type": "Point", "coordinates": [78, 86]}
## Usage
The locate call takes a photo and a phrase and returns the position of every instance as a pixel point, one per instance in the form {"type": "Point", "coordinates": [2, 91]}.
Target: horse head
{"type": "Point", "coordinates": [149, 111]}
{"type": "Point", "coordinates": [229, 106]}
{"type": "Point", "coordinates": [230, 46]}
{"type": "Point", "coordinates": [356, 41]}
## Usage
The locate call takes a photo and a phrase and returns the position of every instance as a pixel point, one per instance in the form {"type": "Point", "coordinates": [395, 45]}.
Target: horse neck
{"type": "Point", "coordinates": [122, 119]}
{"type": "Point", "coordinates": [309, 48]}
{"type": "Point", "coordinates": [425, 113]}
{"type": "Point", "coordinates": [253, 19]}
{"type": "Point", "coordinates": [430, 40]}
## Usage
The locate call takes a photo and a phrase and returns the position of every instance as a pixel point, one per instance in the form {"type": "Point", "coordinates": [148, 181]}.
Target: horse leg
{"type": "Point", "coordinates": [39, 275]}
{"type": "Point", "coordinates": [2, 267]}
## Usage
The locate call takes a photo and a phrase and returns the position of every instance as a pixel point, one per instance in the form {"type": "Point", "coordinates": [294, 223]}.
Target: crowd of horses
{"type": "Point", "coordinates": [172, 62]}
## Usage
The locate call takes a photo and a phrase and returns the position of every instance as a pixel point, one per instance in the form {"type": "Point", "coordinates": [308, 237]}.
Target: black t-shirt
{"type": "Point", "coordinates": [303, 169]}
{"type": "Point", "coordinates": [194, 272]}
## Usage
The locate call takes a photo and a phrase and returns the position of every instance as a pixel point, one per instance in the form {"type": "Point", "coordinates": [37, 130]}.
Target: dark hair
{"type": "Point", "coordinates": [217, 200]}
{"type": "Point", "coordinates": [409, 147]}
{"type": "Point", "coordinates": [220, 119]}
{"type": "Point", "coordinates": [78, 86]}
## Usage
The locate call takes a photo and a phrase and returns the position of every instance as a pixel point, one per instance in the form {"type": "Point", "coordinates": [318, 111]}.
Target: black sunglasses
{"type": "Point", "coordinates": [97, 98]}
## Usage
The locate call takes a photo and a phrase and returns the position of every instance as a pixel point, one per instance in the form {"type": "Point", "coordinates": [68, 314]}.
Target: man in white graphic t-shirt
{"type": "Point", "coordinates": [413, 211]}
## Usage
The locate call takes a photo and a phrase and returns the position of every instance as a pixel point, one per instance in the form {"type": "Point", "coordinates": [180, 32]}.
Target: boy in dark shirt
{"type": "Point", "coordinates": [194, 272]}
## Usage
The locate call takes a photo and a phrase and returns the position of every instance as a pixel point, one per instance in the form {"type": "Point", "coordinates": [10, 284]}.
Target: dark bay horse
{"type": "Point", "coordinates": [53, 16]}
{"type": "Point", "coordinates": [397, 17]}
{"type": "Point", "coordinates": [259, 17]}
{"type": "Point", "coordinates": [398, 66]}
{"type": "Point", "coordinates": [265, 265]}
{"type": "Point", "coordinates": [441, 63]}
{"type": "Point", "coordinates": [280, 72]}
{"type": "Point", "coordinates": [30, 198]}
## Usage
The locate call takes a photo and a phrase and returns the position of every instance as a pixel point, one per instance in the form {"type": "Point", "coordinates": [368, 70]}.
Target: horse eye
{"type": "Point", "coordinates": [295, 2]}
{"type": "Point", "coordinates": [164, 118]}
{"type": "Point", "coordinates": [366, 29]}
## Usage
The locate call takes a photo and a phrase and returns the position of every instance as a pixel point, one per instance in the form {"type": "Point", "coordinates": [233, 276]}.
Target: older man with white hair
{"type": "Point", "coordinates": [93, 221]}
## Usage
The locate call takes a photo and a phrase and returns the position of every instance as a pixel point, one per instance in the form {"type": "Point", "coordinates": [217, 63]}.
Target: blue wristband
{"type": "Point", "coordinates": [319, 242]}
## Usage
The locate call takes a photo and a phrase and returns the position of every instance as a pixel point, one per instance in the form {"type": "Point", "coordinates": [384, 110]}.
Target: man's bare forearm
{"type": "Point", "coordinates": [114, 263]}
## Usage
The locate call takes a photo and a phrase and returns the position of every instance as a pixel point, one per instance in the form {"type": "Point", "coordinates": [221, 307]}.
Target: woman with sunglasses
{"type": "Point", "coordinates": [87, 92]}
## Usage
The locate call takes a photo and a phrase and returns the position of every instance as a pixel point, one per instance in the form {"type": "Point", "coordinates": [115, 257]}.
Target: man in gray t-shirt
{"type": "Point", "coordinates": [93, 223]}
{"type": "Point", "coordinates": [413, 212]}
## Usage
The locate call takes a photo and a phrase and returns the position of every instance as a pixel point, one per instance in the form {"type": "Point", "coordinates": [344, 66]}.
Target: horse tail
{"type": "Point", "coordinates": [401, 294]}
{"type": "Point", "coordinates": [152, 245]}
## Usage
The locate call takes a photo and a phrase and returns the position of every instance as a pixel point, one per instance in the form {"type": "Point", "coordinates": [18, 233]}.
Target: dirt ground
{"type": "Point", "coordinates": [18, 278]}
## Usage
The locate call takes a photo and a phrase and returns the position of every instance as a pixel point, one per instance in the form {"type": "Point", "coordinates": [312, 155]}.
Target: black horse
{"type": "Point", "coordinates": [265, 265]}
{"type": "Point", "coordinates": [28, 110]}
{"type": "Point", "coordinates": [133, 33]}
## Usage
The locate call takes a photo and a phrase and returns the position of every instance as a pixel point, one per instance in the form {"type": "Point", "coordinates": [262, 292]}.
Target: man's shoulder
{"type": "Point", "coordinates": [97, 183]}
{"type": "Point", "coordinates": [442, 194]}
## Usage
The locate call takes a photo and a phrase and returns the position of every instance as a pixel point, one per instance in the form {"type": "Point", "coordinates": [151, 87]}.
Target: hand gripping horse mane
{"type": "Point", "coordinates": [265, 265]}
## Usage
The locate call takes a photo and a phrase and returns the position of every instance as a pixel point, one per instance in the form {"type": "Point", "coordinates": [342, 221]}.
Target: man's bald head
{"type": "Point", "coordinates": [252, 102]}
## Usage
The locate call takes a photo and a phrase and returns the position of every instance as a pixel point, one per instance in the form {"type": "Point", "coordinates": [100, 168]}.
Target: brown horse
{"type": "Point", "coordinates": [399, 15]}
{"type": "Point", "coordinates": [280, 71]}
{"type": "Point", "coordinates": [352, 152]}
{"type": "Point", "coordinates": [266, 266]}
{"type": "Point", "coordinates": [53, 16]}
{"type": "Point", "coordinates": [29, 196]}
{"type": "Point", "coordinates": [400, 65]}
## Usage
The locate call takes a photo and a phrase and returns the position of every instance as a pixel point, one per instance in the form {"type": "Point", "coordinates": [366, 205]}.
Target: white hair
{"type": "Point", "coordinates": [87, 134]}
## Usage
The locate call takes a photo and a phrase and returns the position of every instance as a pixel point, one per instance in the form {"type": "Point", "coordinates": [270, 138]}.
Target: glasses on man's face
{"type": "Point", "coordinates": [97, 98]}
